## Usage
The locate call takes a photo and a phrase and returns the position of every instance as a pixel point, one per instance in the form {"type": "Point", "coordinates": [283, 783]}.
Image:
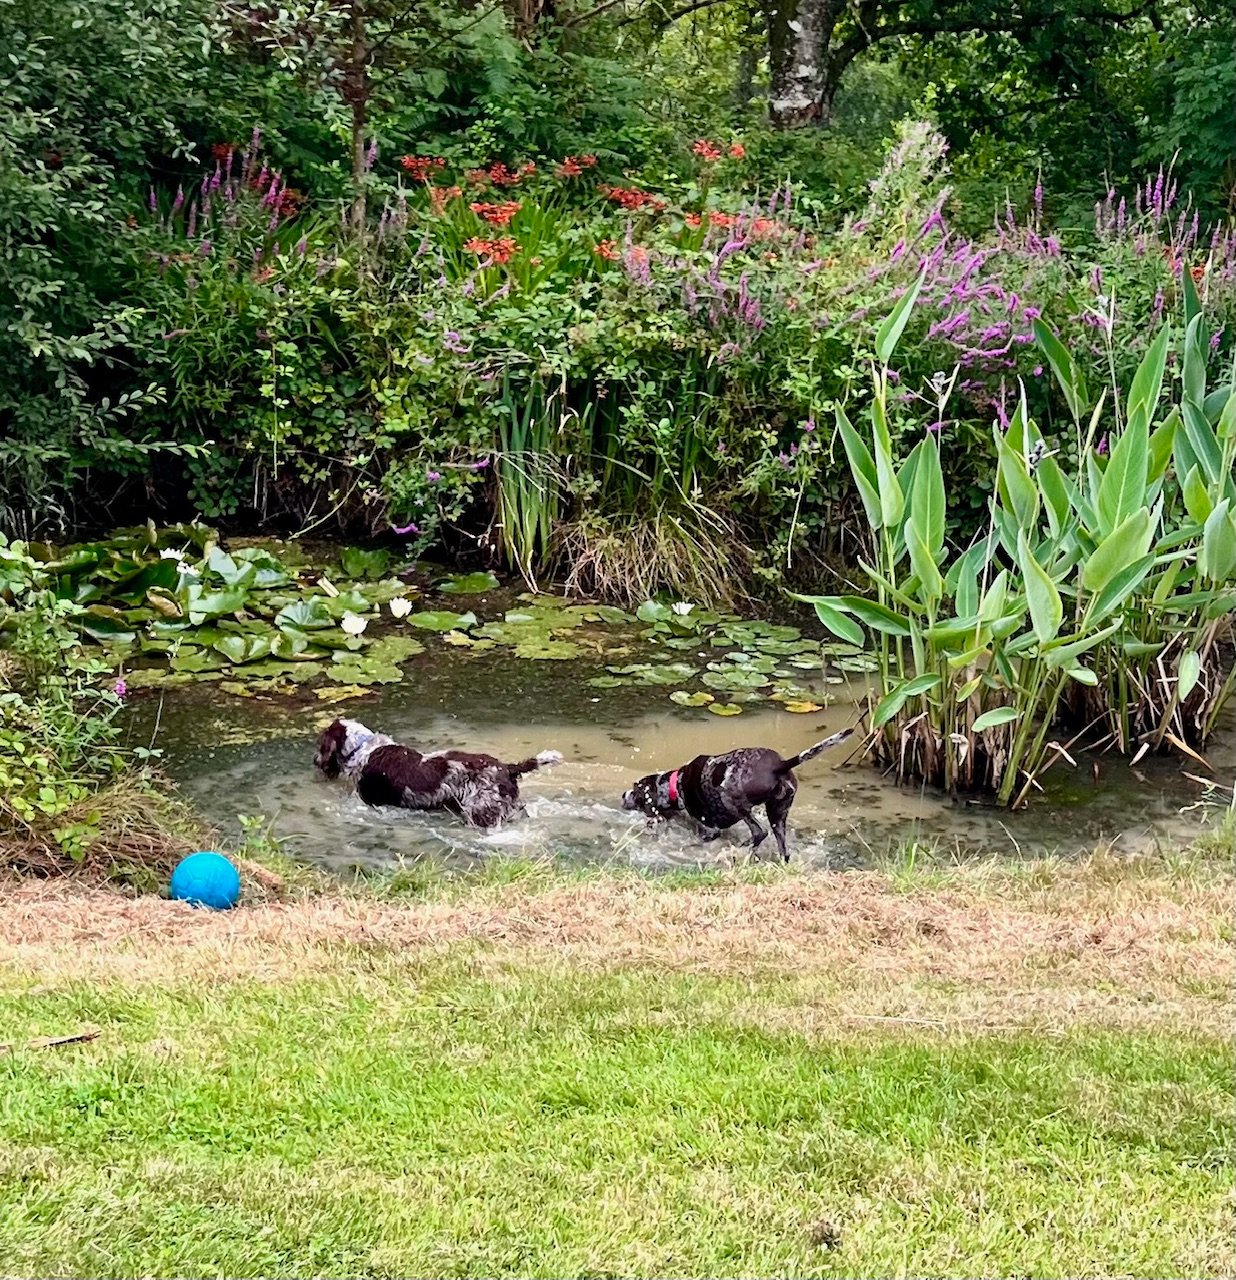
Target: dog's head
{"type": "Point", "coordinates": [649, 797]}
{"type": "Point", "coordinates": [338, 739]}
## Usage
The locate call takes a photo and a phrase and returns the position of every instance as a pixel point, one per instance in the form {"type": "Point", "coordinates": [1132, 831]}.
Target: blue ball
{"type": "Point", "coordinates": [206, 880]}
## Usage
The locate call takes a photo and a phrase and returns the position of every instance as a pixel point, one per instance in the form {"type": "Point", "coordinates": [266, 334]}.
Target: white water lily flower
{"type": "Point", "coordinates": [400, 607]}
{"type": "Point", "coordinates": [353, 623]}
{"type": "Point", "coordinates": [682, 608]}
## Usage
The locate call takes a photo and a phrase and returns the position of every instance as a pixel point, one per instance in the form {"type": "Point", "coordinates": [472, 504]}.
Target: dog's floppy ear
{"type": "Point", "coordinates": [330, 748]}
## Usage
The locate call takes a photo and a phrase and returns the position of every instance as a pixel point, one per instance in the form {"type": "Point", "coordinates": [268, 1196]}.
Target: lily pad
{"type": "Point", "coordinates": [725, 709]}
{"type": "Point", "coordinates": [237, 688]}
{"type": "Point", "coordinates": [241, 649]}
{"type": "Point", "coordinates": [366, 671]}
{"type": "Point", "coordinates": [671, 673]}
{"type": "Point", "coordinates": [192, 659]}
{"type": "Point", "coordinates": [305, 615]}
{"type": "Point", "coordinates": [735, 679]}
{"type": "Point", "coordinates": [106, 626]}
{"type": "Point", "coordinates": [468, 584]}
{"type": "Point", "coordinates": [394, 648]}
{"type": "Point", "coordinates": [555, 650]}
{"type": "Point", "coordinates": [296, 672]}
{"type": "Point", "coordinates": [609, 682]}
{"type": "Point", "coordinates": [459, 640]}
{"type": "Point", "coordinates": [802, 708]}
{"type": "Point", "coordinates": [685, 699]}
{"type": "Point", "coordinates": [333, 693]}
{"type": "Point", "coordinates": [268, 571]}
{"type": "Point", "coordinates": [440, 620]}
{"type": "Point", "coordinates": [654, 611]}
{"type": "Point", "coordinates": [359, 562]}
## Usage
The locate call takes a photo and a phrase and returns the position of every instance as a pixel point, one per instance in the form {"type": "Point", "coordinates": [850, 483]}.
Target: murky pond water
{"type": "Point", "coordinates": [254, 756]}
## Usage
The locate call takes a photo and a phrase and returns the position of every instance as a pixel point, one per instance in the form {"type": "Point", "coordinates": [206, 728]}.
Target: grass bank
{"type": "Point", "coordinates": [931, 1071]}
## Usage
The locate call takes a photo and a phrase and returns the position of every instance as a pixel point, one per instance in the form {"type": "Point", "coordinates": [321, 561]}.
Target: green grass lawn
{"type": "Point", "coordinates": [471, 1109]}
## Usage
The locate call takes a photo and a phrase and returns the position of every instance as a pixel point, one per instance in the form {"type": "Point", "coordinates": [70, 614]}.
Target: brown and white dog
{"type": "Point", "coordinates": [481, 789]}
{"type": "Point", "coordinates": [718, 791]}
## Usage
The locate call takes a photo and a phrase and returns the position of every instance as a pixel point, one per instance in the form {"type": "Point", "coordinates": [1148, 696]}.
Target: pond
{"type": "Point", "coordinates": [606, 705]}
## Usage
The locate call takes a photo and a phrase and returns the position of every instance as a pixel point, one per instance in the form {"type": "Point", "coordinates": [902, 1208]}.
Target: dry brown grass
{"type": "Point", "coordinates": [140, 833]}
{"type": "Point", "coordinates": [852, 949]}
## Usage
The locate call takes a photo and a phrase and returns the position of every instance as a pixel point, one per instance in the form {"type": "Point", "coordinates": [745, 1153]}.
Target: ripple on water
{"type": "Point", "coordinates": [842, 814]}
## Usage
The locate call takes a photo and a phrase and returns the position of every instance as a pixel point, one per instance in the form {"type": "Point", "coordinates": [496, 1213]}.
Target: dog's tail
{"type": "Point", "coordinates": [542, 760]}
{"type": "Point", "coordinates": [811, 752]}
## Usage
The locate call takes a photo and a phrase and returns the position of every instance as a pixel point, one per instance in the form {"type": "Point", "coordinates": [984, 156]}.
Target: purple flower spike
{"type": "Point", "coordinates": [179, 202]}
{"type": "Point", "coordinates": [153, 201]}
{"type": "Point", "coordinates": [301, 245]}
{"type": "Point", "coordinates": [120, 688]}
{"type": "Point", "coordinates": [481, 465]}
{"type": "Point", "coordinates": [405, 529]}
{"type": "Point", "coordinates": [809, 425]}
{"type": "Point", "coordinates": [936, 427]}
{"type": "Point", "coordinates": [204, 248]}
{"type": "Point", "coordinates": [433, 476]}
{"type": "Point", "coordinates": [1101, 447]}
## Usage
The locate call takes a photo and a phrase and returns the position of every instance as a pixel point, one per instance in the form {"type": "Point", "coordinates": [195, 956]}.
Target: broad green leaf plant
{"type": "Point", "coordinates": [1095, 608]}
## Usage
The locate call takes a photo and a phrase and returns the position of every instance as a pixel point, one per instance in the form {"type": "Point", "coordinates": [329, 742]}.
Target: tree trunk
{"type": "Point", "coordinates": [799, 35]}
{"type": "Point", "coordinates": [527, 15]}
{"type": "Point", "coordinates": [356, 89]}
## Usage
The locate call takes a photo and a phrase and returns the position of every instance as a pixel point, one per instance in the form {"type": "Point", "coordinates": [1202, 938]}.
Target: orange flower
{"type": "Point", "coordinates": [497, 215]}
{"type": "Point", "coordinates": [723, 220]}
{"type": "Point", "coordinates": [1198, 272]}
{"type": "Point", "coordinates": [497, 251]}
{"type": "Point", "coordinates": [693, 220]}
{"type": "Point", "coordinates": [438, 196]}
{"type": "Point", "coordinates": [569, 168]}
{"type": "Point", "coordinates": [706, 150]}
{"type": "Point", "coordinates": [221, 150]}
{"type": "Point", "coordinates": [589, 161]}
{"type": "Point", "coordinates": [737, 151]}
{"type": "Point", "coordinates": [419, 166]}
{"type": "Point", "coordinates": [262, 274]}
{"type": "Point", "coordinates": [607, 250]}
{"type": "Point", "coordinates": [631, 197]}
{"type": "Point", "coordinates": [501, 176]}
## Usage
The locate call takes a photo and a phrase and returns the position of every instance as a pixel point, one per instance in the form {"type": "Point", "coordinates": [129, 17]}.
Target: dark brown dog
{"type": "Point", "coordinates": [718, 791]}
{"type": "Point", "coordinates": [483, 790]}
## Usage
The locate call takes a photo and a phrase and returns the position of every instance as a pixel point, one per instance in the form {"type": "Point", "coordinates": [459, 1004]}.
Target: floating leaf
{"type": "Point", "coordinates": [191, 659]}
{"type": "Point", "coordinates": [725, 709]}
{"type": "Point", "coordinates": [359, 562]}
{"type": "Point", "coordinates": [554, 650]}
{"type": "Point", "coordinates": [395, 648]}
{"type": "Point", "coordinates": [305, 615]}
{"type": "Point", "coordinates": [468, 584]}
{"type": "Point", "coordinates": [333, 693]}
{"type": "Point", "coordinates": [654, 611]}
{"type": "Point", "coordinates": [241, 648]}
{"type": "Point", "coordinates": [802, 708]}
{"type": "Point", "coordinates": [201, 604]}
{"type": "Point", "coordinates": [458, 639]}
{"type": "Point", "coordinates": [735, 679]}
{"type": "Point", "coordinates": [440, 620]}
{"type": "Point", "coordinates": [608, 682]}
{"type": "Point", "coordinates": [366, 671]}
{"type": "Point", "coordinates": [237, 688]}
{"type": "Point", "coordinates": [685, 699]}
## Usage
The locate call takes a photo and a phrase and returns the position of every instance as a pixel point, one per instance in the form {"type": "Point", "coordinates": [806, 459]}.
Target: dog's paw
{"type": "Point", "coordinates": [547, 759]}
